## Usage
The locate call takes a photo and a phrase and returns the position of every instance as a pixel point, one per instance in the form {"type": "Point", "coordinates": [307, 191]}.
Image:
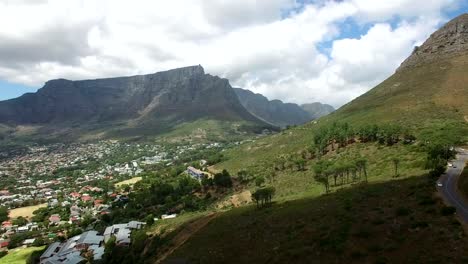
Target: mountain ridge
{"type": "Point", "coordinates": [272, 111]}
{"type": "Point", "coordinates": [155, 101]}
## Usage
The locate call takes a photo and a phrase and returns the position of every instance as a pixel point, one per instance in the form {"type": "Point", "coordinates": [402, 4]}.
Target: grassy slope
{"type": "Point", "coordinates": [425, 99]}
{"type": "Point", "coordinates": [392, 222]}
{"type": "Point", "coordinates": [430, 101]}
{"type": "Point", "coordinates": [19, 255]}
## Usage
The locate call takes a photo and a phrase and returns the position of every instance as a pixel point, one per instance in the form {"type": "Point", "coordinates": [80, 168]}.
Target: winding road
{"type": "Point", "coordinates": [449, 185]}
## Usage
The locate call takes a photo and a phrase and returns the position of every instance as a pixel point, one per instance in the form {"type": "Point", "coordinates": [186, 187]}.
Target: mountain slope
{"type": "Point", "coordinates": [317, 110]}
{"type": "Point", "coordinates": [377, 223]}
{"type": "Point", "coordinates": [427, 92]}
{"type": "Point", "coordinates": [428, 98]}
{"type": "Point", "coordinates": [274, 112]}
{"type": "Point", "coordinates": [393, 217]}
{"type": "Point", "coordinates": [130, 105]}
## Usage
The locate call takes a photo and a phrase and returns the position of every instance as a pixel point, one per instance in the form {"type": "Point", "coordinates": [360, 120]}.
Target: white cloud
{"type": "Point", "coordinates": [249, 42]}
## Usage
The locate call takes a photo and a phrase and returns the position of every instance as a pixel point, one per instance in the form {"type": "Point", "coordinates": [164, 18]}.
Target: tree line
{"type": "Point", "coordinates": [341, 134]}
{"type": "Point", "coordinates": [340, 173]}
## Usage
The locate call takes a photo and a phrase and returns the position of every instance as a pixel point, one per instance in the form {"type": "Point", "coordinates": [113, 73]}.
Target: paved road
{"type": "Point", "coordinates": [449, 182]}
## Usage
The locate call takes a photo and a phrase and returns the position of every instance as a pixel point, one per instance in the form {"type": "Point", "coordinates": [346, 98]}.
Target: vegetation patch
{"type": "Point", "coordinates": [325, 230]}
{"type": "Point", "coordinates": [20, 255]}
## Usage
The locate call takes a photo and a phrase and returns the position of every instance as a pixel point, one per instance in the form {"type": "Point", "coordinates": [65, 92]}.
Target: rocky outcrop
{"type": "Point", "coordinates": [274, 112]}
{"type": "Point", "coordinates": [449, 41]}
{"type": "Point", "coordinates": [317, 110]}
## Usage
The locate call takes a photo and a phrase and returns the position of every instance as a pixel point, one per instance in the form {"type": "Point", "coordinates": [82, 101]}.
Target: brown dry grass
{"type": "Point", "coordinates": [26, 212]}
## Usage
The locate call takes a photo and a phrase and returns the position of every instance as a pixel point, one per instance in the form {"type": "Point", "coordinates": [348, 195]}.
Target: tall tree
{"type": "Point", "coordinates": [396, 162]}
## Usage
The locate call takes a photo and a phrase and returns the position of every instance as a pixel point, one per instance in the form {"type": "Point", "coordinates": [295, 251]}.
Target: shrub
{"type": "Point", "coordinates": [259, 181]}
{"type": "Point", "coordinates": [448, 210]}
{"type": "Point", "coordinates": [402, 211]}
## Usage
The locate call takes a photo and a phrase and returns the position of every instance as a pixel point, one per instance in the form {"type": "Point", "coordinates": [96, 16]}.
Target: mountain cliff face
{"type": "Point", "coordinates": [156, 100]}
{"type": "Point", "coordinates": [274, 112]}
{"type": "Point", "coordinates": [317, 110]}
{"type": "Point", "coordinates": [449, 41]}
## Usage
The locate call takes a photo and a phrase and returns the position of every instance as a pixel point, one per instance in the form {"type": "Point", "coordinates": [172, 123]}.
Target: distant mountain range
{"type": "Point", "coordinates": [143, 105]}
{"type": "Point", "coordinates": [278, 113]}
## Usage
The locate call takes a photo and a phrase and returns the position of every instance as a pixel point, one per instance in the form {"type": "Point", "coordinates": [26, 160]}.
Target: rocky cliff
{"type": "Point", "coordinates": [449, 41]}
{"type": "Point", "coordinates": [317, 110]}
{"type": "Point", "coordinates": [274, 112]}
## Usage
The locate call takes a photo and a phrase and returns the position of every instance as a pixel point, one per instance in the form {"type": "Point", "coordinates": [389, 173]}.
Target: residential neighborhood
{"type": "Point", "coordinates": [57, 194]}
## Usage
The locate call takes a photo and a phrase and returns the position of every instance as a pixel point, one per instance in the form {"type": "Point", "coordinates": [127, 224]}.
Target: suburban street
{"type": "Point", "coordinates": [449, 185]}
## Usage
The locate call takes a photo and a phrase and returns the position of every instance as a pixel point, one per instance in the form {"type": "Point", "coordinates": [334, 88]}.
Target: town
{"type": "Point", "coordinates": [63, 195]}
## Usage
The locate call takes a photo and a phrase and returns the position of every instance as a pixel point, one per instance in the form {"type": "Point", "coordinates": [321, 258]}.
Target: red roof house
{"type": "Point", "coordinates": [55, 218]}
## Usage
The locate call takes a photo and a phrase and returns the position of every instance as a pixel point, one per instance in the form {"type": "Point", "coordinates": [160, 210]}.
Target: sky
{"type": "Point", "coordinates": [297, 51]}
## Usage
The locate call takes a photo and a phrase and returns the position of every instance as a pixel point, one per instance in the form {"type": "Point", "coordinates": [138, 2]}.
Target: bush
{"type": "Point", "coordinates": [38, 242]}
{"type": "Point", "coordinates": [223, 179]}
{"type": "Point", "coordinates": [448, 210]}
{"type": "Point", "coordinates": [402, 211]}
{"type": "Point", "coordinates": [259, 181]}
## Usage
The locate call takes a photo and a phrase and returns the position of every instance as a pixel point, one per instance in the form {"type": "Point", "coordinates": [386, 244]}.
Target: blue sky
{"type": "Point", "coordinates": [294, 50]}
{"type": "Point", "coordinates": [12, 90]}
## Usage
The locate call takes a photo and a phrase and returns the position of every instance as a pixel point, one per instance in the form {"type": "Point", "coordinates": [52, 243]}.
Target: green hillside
{"type": "Point", "coordinates": [393, 222]}
{"type": "Point", "coordinates": [373, 154]}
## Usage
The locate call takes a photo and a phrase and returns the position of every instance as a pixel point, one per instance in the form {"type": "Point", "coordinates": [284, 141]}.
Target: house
{"type": "Point", "coordinates": [166, 216]}
{"type": "Point", "coordinates": [86, 198]}
{"type": "Point", "coordinates": [22, 229]}
{"type": "Point", "coordinates": [195, 173]}
{"type": "Point", "coordinates": [53, 202]}
{"type": "Point", "coordinates": [75, 195]}
{"type": "Point", "coordinates": [122, 232]}
{"type": "Point", "coordinates": [75, 210]}
{"type": "Point", "coordinates": [4, 243]}
{"type": "Point", "coordinates": [7, 225]}
{"type": "Point", "coordinates": [98, 202]}
{"type": "Point", "coordinates": [54, 219]}
{"type": "Point", "coordinates": [74, 219]}
{"type": "Point", "coordinates": [29, 242]}
{"type": "Point", "coordinates": [70, 251]}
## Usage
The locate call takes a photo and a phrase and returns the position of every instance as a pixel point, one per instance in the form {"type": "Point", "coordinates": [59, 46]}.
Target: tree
{"type": "Point", "coordinates": [3, 213]}
{"type": "Point", "coordinates": [17, 239]}
{"type": "Point", "coordinates": [361, 164]}
{"type": "Point", "coordinates": [300, 164]}
{"type": "Point", "coordinates": [321, 175]}
{"type": "Point", "coordinates": [263, 196]}
{"type": "Point", "coordinates": [38, 242]}
{"type": "Point", "coordinates": [396, 162]}
{"type": "Point", "coordinates": [223, 179]}
{"type": "Point", "coordinates": [150, 220]}
{"type": "Point", "coordinates": [437, 157]}
{"type": "Point", "coordinates": [20, 221]}
{"type": "Point", "coordinates": [259, 181]}
{"type": "Point", "coordinates": [243, 176]}
{"type": "Point", "coordinates": [109, 248]}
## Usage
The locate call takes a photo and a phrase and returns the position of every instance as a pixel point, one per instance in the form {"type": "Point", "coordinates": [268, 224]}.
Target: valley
{"type": "Point", "coordinates": [178, 166]}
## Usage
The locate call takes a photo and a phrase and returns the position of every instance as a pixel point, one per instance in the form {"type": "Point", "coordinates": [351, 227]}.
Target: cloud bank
{"type": "Point", "coordinates": [328, 51]}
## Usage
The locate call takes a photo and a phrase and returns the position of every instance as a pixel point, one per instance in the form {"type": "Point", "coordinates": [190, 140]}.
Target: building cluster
{"type": "Point", "coordinates": [88, 245]}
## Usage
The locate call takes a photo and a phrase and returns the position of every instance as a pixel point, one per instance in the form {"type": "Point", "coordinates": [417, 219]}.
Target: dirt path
{"type": "Point", "coordinates": [466, 118]}
{"type": "Point", "coordinates": [183, 235]}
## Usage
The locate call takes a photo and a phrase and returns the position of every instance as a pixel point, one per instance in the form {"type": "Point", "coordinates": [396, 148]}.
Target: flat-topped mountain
{"type": "Point", "coordinates": [153, 102]}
